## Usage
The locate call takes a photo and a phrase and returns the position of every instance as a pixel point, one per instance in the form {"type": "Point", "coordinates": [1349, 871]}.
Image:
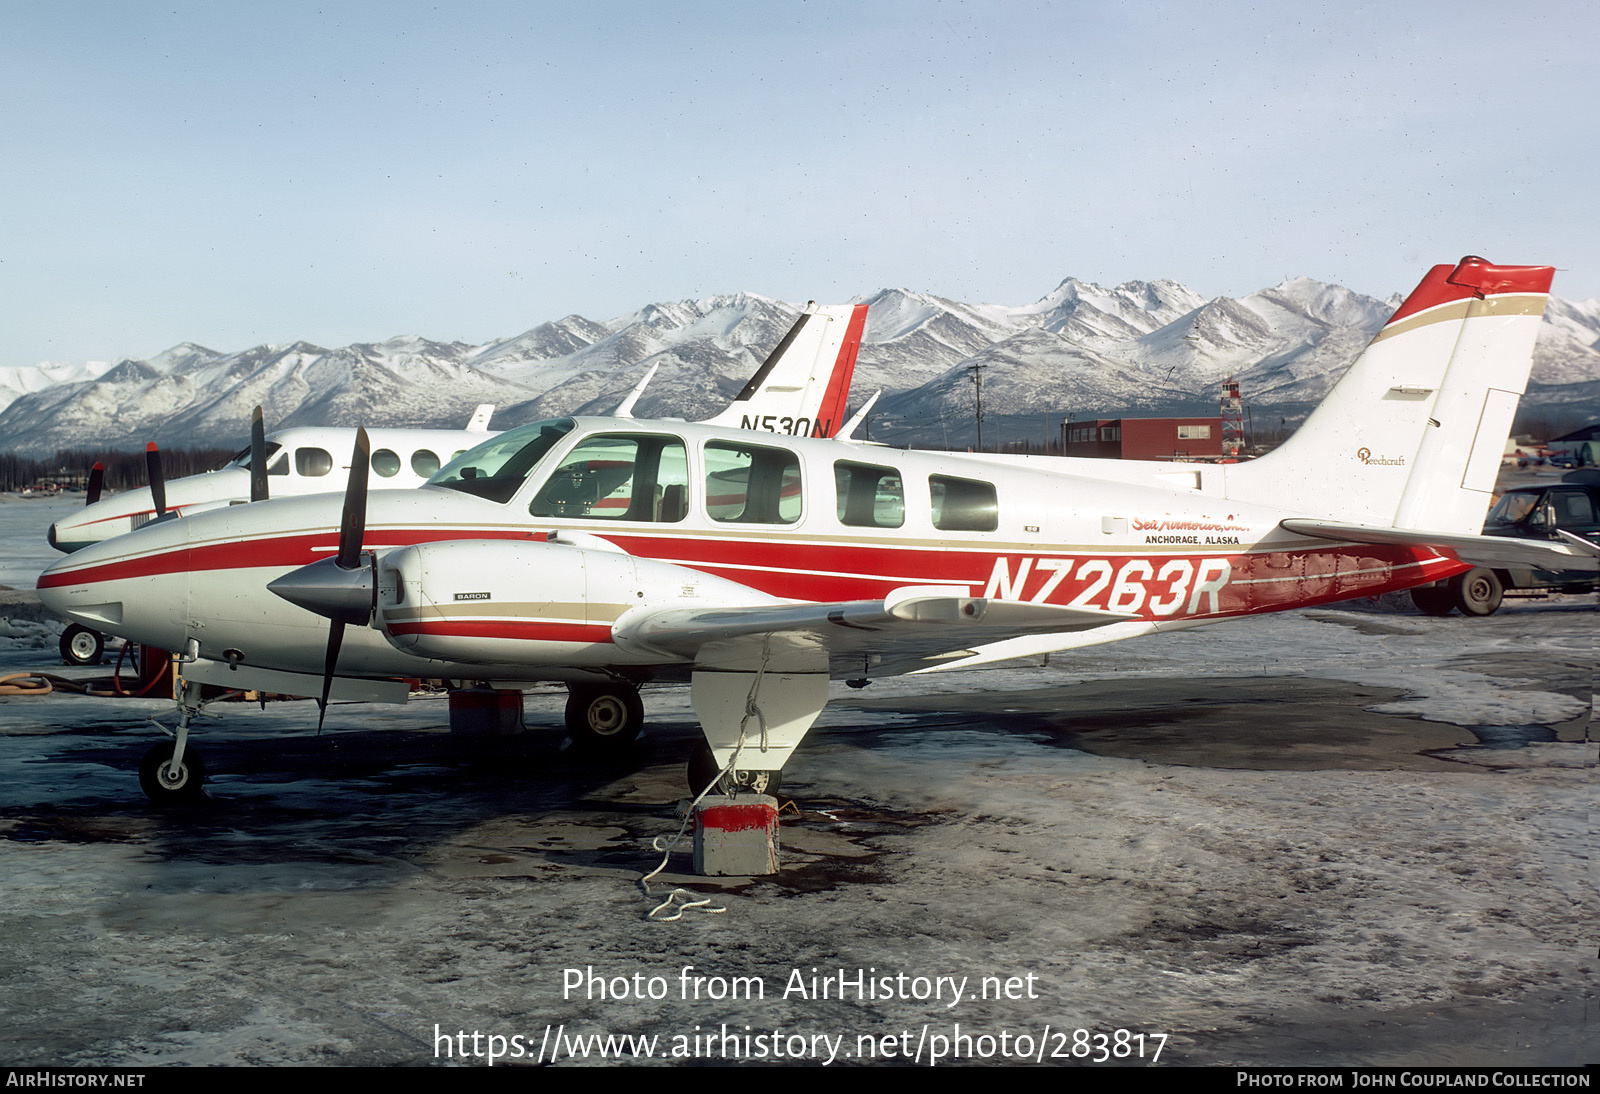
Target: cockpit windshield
{"type": "Point", "coordinates": [496, 468]}
{"type": "Point", "coordinates": [242, 459]}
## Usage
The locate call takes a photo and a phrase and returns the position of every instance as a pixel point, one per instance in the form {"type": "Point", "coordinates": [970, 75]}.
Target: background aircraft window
{"type": "Point", "coordinates": [424, 462]}
{"type": "Point", "coordinates": [752, 485]}
{"type": "Point", "coordinates": [618, 476]}
{"type": "Point", "coordinates": [243, 458]}
{"type": "Point", "coordinates": [963, 505]}
{"type": "Point", "coordinates": [497, 467]}
{"type": "Point", "coordinates": [312, 462]}
{"type": "Point", "coordinates": [869, 496]}
{"type": "Point", "coordinates": [280, 466]}
{"type": "Point", "coordinates": [386, 462]}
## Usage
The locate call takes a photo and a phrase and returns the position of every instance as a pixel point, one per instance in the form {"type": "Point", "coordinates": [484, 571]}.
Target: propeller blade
{"type": "Point", "coordinates": [353, 522]}
{"type": "Point", "coordinates": [258, 457]}
{"type": "Point", "coordinates": [158, 481]}
{"type": "Point", "coordinates": [352, 525]}
{"type": "Point", "coordinates": [97, 479]}
{"type": "Point", "coordinates": [331, 662]}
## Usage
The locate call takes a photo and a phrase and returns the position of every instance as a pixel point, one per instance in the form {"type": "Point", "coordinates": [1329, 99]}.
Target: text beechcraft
{"type": "Point", "coordinates": [607, 553]}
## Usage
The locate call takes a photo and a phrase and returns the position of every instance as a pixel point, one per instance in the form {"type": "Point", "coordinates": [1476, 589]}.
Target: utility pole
{"type": "Point", "coordinates": [977, 380]}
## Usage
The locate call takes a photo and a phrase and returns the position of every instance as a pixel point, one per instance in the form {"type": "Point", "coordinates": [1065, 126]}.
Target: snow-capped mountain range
{"type": "Point", "coordinates": [1140, 348]}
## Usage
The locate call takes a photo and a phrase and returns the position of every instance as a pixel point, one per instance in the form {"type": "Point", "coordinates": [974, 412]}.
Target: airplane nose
{"type": "Point", "coordinates": [78, 602]}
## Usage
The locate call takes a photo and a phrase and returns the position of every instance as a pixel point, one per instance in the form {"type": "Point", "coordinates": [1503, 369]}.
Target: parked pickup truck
{"type": "Point", "coordinates": [1531, 512]}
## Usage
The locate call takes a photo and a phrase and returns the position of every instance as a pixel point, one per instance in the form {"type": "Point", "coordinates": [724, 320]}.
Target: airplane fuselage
{"type": "Point", "coordinates": [842, 522]}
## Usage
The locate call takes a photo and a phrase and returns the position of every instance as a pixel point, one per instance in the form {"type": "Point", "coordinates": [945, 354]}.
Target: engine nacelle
{"type": "Point", "coordinates": [531, 602]}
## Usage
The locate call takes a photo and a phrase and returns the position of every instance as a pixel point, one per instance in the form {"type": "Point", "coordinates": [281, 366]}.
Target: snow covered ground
{"type": "Point", "coordinates": [1327, 837]}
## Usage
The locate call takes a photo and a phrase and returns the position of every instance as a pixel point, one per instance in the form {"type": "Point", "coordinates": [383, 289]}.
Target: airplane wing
{"type": "Point", "coordinates": [1571, 553]}
{"type": "Point", "coordinates": [914, 626]}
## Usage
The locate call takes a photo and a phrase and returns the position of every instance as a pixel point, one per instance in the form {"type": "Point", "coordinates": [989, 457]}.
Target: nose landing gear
{"type": "Point", "coordinates": [171, 773]}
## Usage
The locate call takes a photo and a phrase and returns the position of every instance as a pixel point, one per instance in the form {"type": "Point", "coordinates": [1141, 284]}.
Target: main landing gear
{"type": "Point", "coordinates": [704, 772]}
{"type": "Point", "coordinates": [82, 646]}
{"type": "Point", "coordinates": [604, 717]}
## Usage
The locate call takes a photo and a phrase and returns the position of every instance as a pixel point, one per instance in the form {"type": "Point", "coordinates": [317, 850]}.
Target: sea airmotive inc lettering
{"type": "Point", "coordinates": [1158, 587]}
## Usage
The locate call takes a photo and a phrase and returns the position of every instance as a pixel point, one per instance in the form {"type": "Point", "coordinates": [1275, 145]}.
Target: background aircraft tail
{"type": "Point", "coordinates": [802, 386]}
{"type": "Point", "coordinates": [1412, 434]}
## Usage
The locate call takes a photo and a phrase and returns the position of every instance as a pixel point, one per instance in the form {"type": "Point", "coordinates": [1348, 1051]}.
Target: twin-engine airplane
{"type": "Point", "coordinates": [801, 388]}
{"type": "Point", "coordinates": [606, 553]}
{"type": "Point", "coordinates": [298, 461]}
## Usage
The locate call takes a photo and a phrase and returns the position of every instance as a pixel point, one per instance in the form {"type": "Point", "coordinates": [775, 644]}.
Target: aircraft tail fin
{"type": "Point", "coordinates": [479, 422]}
{"type": "Point", "coordinates": [1412, 434]}
{"type": "Point", "coordinates": [802, 386]}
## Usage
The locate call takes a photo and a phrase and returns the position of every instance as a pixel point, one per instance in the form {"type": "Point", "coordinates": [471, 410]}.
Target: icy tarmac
{"type": "Point", "coordinates": [1327, 837]}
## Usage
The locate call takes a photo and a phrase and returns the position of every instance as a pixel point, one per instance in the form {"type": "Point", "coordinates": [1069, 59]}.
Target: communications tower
{"type": "Point", "coordinates": [1232, 419]}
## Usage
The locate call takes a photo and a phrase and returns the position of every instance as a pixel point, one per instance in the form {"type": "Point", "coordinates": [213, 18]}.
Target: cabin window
{"type": "Point", "coordinates": [618, 476]}
{"type": "Point", "coordinates": [312, 462]}
{"type": "Point", "coordinates": [496, 468]}
{"type": "Point", "coordinates": [963, 505]}
{"type": "Point", "coordinates": [751, 484]}
{"type": "Point", "coordinates": [280, 466]}
{"type": "Point", "coordinates": [869, 496]}
{"type": "Point", "coordinates": [424, 463]}
{"type": "Point", "coordinates": [386, 463]}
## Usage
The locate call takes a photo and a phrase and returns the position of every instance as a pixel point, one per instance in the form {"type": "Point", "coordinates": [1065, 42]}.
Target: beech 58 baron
{"type": "Point", "coordinates": [607, 553]}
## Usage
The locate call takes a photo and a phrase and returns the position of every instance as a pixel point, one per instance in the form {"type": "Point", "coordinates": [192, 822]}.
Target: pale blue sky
{"type": "Point", "coordinates": [234, 173]}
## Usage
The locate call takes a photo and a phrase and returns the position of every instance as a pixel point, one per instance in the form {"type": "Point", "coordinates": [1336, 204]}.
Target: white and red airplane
{"type": "Point", "coordinates": [801, 388]}
{"type": "Point", "coordinates": [607, 553]}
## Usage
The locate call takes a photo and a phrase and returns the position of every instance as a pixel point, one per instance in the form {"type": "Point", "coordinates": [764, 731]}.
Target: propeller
{"type": "Point", "coordinates": [344, 587]}
{"type": "Point", "coordinates": [258, 457]}
{"type": "Point", "coordinates": [158, 481]}
{"type": "Point", "coordinates": [97, 479]}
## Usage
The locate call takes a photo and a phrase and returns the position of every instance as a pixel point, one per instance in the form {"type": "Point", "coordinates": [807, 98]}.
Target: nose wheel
{"type": "Point", "coordinates": [604, 717]}
{"type": "Point", "coordinates": [172, 773]}
{"type": "Point", "coordinates": [167, 784]}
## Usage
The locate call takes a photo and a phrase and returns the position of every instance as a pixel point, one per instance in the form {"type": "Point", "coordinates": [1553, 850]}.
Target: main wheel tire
{"type": "Point", "coordinates": [703, 770]}
{"type": "Point", "coordinates": [604, 717]}
{"type": "Point", "coordinates": [1434, 600]}
{"type": "Point", "coordinates": [1477, 592]}
{"type": "Point", "coordinates": [161, 787]}
{"type": "Point", "coordinates": [81, 646]}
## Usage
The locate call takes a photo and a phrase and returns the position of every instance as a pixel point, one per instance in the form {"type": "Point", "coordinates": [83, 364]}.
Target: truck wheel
{"type": "Point", "coordinates": [1477, 592]}
{"type": "Point", "coordinates": [1433, 600]}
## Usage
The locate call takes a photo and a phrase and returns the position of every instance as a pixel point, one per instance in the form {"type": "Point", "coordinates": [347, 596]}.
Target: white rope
{"type": "Point", "coordinates": [666, 845]}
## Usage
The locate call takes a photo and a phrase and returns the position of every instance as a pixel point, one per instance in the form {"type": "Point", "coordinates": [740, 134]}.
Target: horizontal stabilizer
{"type": "Point", "coordinates": [1573, 553]}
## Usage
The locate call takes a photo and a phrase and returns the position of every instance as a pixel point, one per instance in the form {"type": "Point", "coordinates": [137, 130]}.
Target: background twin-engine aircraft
{"type": "Point", "coordinates": [800, 388]}
{"type": "Point", "coordinates": [609, 552]}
